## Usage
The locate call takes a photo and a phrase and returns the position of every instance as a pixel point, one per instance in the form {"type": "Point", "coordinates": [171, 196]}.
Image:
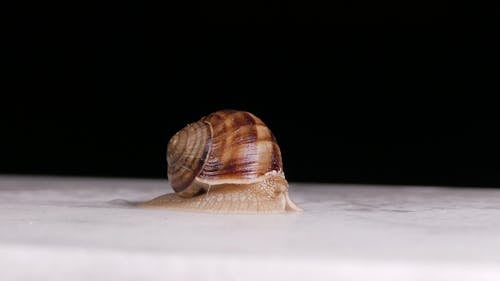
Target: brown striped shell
{"type": "Point", "coordinates": [226, 146]}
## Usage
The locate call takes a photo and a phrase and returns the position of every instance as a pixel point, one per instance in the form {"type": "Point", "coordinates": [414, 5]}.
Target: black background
{"type": "Point", "coordinates": [392, 93]}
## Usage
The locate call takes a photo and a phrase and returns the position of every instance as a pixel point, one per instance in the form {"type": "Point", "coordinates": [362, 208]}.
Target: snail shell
{"type": "Point", "coordinates": [228, 161]}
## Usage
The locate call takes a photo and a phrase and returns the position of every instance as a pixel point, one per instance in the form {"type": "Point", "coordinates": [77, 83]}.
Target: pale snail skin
{"type": "Point", "coordinates": [227, 162]}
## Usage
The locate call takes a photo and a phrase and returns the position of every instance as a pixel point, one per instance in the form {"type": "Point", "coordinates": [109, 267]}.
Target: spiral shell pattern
{"type": "Point", "coordinates": [186, 153]}
{"type": "Point", "coordinates": [227, 146]}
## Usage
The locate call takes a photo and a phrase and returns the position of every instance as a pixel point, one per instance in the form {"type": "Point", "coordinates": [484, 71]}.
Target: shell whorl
{"type": "Point", "coordinates": [242, 148]}
{"type": "Point", "coordinates": [186, 153]}
{"type": "Point", "coordinates": [226, 146]}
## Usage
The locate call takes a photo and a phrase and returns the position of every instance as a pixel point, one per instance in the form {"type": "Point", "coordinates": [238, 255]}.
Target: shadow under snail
{"type": "Point", "coordinates": [227, 162]}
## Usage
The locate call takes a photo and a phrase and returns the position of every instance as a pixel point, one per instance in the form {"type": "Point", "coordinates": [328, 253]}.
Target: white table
{"type": "Point", "coordinates": [68, 228]}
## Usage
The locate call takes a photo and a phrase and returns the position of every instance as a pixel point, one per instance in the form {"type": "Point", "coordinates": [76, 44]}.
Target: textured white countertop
{"type": "Point", "coordinates": [68, 228]}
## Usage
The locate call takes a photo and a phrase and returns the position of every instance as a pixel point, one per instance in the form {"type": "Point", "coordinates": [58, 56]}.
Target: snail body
{"type": "Point", "coordinates": [228, 161]}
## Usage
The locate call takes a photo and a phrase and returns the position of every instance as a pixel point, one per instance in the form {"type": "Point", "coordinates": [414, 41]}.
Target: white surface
{"type": "Point", "coordinates": [76, 229]}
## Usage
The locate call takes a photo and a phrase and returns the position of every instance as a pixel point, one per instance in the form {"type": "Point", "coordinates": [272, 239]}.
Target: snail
{"type": "Point", "coordinates": [227, 162]}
